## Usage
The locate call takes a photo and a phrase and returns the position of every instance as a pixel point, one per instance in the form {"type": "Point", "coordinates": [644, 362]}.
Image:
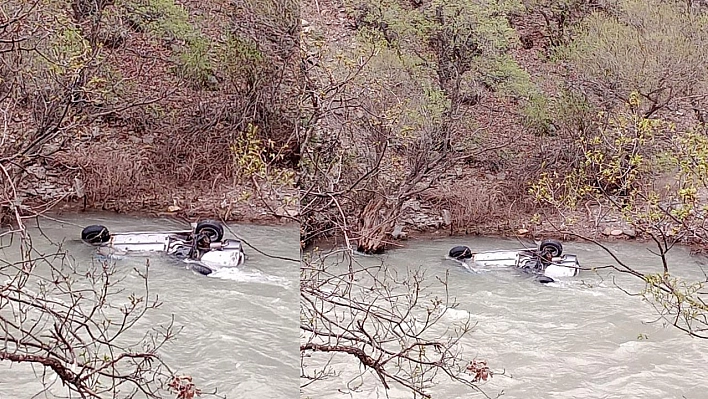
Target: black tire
{"type": "Point", "coordinates": [213, 230]}
{"type": "Point", "coordinates": [95, 234]}
{"type": "Point", "coordinates": [552, 247]}
{"type": "Point", "coordinates": [201, 269]}
{"type": "Point", "coordinates": [460, 252]}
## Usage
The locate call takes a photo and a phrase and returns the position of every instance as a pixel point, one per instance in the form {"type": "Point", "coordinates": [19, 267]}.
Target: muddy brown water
{"type": "Point", "coordinates": [580, 337]}
{"type": "Point", "coordinates": [240, 326]}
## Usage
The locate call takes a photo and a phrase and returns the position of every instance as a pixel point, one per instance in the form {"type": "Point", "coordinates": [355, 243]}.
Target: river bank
{"type": "Point", "coordinates": [250, 203]}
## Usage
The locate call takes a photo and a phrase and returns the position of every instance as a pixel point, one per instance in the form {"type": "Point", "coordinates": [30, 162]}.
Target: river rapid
{"type": "Point", "coordinates": [580, 337]}
{"type": "Point", "coordinates": [240, 326]}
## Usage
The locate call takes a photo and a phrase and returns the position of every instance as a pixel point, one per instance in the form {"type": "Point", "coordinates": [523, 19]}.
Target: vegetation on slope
{"type": "Point", "coordinates": [479, 112]}
{"type": "Point", "coordinates": [149, 103]}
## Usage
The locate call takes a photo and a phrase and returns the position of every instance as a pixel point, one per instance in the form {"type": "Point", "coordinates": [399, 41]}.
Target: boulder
{"type": "Point", "coordinates": [447, 217]}
{"type": "Point", "coordinates": [398, 233]}
{"type": "Point", "coordinates": [629, 232]}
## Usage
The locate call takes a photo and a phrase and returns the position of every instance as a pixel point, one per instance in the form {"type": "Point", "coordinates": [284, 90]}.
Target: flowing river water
{"type": "Point", "coordinates": [579, 337]}
{"type": "Point", "coordinates": [240, 326]}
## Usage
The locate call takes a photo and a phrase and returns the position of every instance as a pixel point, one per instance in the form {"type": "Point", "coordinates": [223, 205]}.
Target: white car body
{"type": "Point", "coordinates": [560, 266]}
{"type": "Point", "coordinates": [547, 260]}
{"type": "Point", "coordinates": [206, 252]}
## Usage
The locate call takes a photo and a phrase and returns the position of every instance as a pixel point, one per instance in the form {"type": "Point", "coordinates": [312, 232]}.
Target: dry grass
{"type": "Point", "coordinates": [469, 202]}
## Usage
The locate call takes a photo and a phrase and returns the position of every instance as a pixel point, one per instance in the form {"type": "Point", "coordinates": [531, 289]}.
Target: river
{"type": "Point", "coordinates": [580, 337]}
{"type": "Point", "coordinates": [240, 326]}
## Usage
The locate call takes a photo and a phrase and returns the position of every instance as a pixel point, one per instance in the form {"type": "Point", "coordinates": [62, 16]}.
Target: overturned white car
{"type": "Point", "coordinates": [203, 247]}
{"type": "Point", "coordinates": [547, 261]}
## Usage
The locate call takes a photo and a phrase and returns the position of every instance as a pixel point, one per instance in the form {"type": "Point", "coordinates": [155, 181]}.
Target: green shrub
{"type": "Point", "coordinates": [650, 46]}
{"type": "Point", "coordinates": [169, 21]}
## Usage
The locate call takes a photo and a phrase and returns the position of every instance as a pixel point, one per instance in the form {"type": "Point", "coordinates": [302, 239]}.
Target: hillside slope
{"type": "Point", "coordinates": [151, 105]}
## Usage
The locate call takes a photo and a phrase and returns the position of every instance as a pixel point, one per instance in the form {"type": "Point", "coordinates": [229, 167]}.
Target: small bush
{"type": "Point", "coordinates": [169, 22]}
{"type": "Point", "coordinates": [616, 161]}
{"type": "Point", "coordinates": [650, 46]}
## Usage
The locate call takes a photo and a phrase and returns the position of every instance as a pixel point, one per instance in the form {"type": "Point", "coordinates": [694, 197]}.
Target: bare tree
{"type": "Point", "coordinates": [652, 176]}
{"type": "Point", "coordinates": [388, 323]}
{"type": "Point", "coordinates": [78, 325]}
{"type": "Point", "coordinates": [386, 120]}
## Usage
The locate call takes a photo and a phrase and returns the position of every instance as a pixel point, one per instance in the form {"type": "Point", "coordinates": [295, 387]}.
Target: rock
{"type": "Point", "coordinates": [79, 187]}
{"type": "Point", "coordinates": [631, 233]}
{"type": "Point", "coordinates": [616, 232]}
{"type": "Point", "coordinates": [607, 231]}
{"type": "Point", "coordinates": [304, 23]}
{"type": "Point", "coordinates": [212, 81]}
{"type": "Point", "coordinates": [398, 233]}
{"type": "Point", "coordinates": [173, 208]}
{"type": "Point", "coordinates": [286, 211]}
{"type": "Point", "coordinates": [522, 231]}
{"type": "Point", "coordinates": [447, 217]}
{"type": "Point", "coordinates": [39, 171]}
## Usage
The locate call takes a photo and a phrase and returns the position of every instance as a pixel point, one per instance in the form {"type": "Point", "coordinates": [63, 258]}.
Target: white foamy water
{"type": "Point", "coordinates": [242, 274]}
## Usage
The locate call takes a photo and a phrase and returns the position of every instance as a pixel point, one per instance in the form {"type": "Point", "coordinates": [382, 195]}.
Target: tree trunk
{"type": "Point", "coordinates": [374, 226]}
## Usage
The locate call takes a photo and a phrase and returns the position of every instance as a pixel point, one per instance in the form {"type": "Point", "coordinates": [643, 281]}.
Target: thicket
{"type": "Point", "coordinates": [637, 85]}
{"type": "Point", "coordinates": [638, 73]}
{"type": "Point", "coordinates": [136, 98]}
{"type": "Point", "coordinates": [386, 116]}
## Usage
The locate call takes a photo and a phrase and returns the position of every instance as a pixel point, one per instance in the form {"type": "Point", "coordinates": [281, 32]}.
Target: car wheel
{"type": "Point", "coordinates": [460, 252]}
{"type": "Point", "coordinates": [552, 247]}
{"type": "Point", "coordinates": [95, 234]}
{"type": "Point", "coordinates": [201, 269]}
{"type": "Point", "coordinates": [213, 230]}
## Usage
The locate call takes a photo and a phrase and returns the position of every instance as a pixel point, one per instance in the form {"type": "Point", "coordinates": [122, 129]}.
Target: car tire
{"type": "Point", "coordinates": [460, 252]}
{"type": "Point", "coordinates": [545, 280]}
{"type": "Point", "coordinates": [214, 230]}
{"type": "Point", "coordinates": [95, 234]}
{"type": "Point", "coordinates": [203, 270]}
{"type": "Point", "coordinates": [552, 247]}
